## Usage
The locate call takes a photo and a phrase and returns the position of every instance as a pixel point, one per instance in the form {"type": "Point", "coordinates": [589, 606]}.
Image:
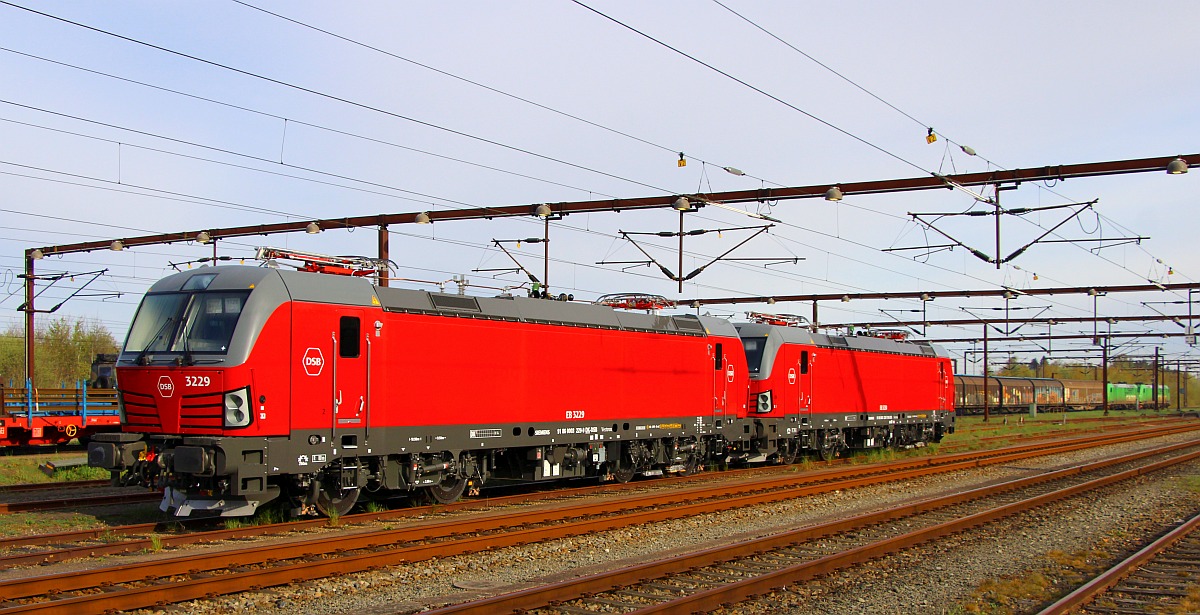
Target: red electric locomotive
{"type": "Point", "coordinates": [830, 393]}
{"type": "Point", "coordinates": [239, 385]}
{"type": "Point", "coordinates": [242, 384]}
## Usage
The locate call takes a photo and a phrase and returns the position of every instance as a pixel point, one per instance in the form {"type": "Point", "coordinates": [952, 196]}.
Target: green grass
{"type": "Point", "coordinates": [877, 455]}
{"type": "Point", "coordinates": [270, 514]}
{"type": "Point", "coordinates": [973, 434]}
{"type": "Point", "coordinates": [970, 429]}
{"type": "Point", "coordinates": [51, 522]}
{"type": "Point", "coordinates": [23, 469]}
{"type": "Point", "coordinates": [80, 473]}
{"type": "Point", "coordinates": [28, 524]}
{"type": "Point", "coordinates": [1025, 592]}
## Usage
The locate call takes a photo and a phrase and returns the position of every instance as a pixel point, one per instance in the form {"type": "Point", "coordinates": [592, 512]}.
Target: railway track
{"type": "Point", "coordinates": [1163, 577]}
{"type": "Point", "coordinates": [79, 502]}
{"type": "Point", "coordinates": [146, 536]}
{"type": "Point", "coordinates": [949, 447]}
{"type": "Point", "coordinates": [999, 440]}
{"type": "Point", "coordinates": [33, 487]}
{"type": "Point", "coordinates": [40, 451]}
{"type": "Point", "coordinates": [198, 575]}
{"type": "Point", "coordinates": [715, 578]}
{"type": "Point", "coordinates": [61, 503]}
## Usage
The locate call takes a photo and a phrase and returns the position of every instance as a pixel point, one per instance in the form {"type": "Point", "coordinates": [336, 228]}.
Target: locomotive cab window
{"type": "Point", "coordinates": [348, 340]}
{"type": "Point", "coordinates": [719, 357]}
{"type": "Point", "coordinates": [201, 322]}
{"type": "Point", "coordinates": [210, 322]}
{"type": "Point", "coordinates": [803, 361]}
{"type": "Point", "coordinates": [754, 347]}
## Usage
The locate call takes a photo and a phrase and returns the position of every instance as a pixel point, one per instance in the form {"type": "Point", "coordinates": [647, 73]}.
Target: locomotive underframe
{"type": "Point", "coordinates": [233, 476]}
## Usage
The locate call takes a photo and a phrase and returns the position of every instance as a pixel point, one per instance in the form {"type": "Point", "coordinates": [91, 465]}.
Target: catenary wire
{"type": "Point", "coordinates": [290, 120]}
{"type": "Point", "coordinates": [915, 120]}
{"type": "Point", "coordinates": [487, 87]}
{"type": "Point", "coordinates": [755, 88]}
{"type": "Point", "coordinates": [10, 3]}
{"type": "Point", "coordinates": [336, 98]}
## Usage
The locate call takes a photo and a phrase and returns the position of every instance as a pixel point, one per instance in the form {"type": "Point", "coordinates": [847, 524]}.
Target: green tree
{"type": "Point", "coordinates": [1016, 368]}
{"type": "Point", "coordinates": [63, 349]}
{"type": "Point", "coordinates": [12, 356]}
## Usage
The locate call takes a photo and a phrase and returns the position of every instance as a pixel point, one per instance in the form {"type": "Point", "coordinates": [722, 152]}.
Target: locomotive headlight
{"type": "Point", "coordinates": [764, 402]}
{"type": "Point", "coordinates": [237, 408]}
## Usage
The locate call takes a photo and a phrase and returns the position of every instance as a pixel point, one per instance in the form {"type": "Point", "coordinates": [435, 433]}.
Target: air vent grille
{"type": "Point", "coordinates": [457, 303]}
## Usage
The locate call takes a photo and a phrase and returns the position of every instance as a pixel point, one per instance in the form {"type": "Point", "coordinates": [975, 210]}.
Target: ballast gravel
{"type": "Point", "coordinates": [932, 579]}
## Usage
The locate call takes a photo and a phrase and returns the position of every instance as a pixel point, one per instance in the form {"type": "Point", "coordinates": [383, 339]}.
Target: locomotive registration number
{"type": "Point", "coordinates": [575, 414]}
{"type": "Point", "coordinates": [197, 381]}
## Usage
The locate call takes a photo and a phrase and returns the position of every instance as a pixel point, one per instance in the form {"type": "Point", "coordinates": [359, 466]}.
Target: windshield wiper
{"type": "Point", "coordinates": [186, 359]}
{"type": "Point", "coordinates": [142, 359]}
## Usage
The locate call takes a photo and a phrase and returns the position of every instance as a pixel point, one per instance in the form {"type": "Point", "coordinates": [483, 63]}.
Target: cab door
{"type": "Point", "coordinates": [801, 374]}
{"type": "Point", "coordinates": [944, 386]}
{"type": "Point", "coordinates": [721, 381]}
{"type": "Point", "coordinates": [349, 378]}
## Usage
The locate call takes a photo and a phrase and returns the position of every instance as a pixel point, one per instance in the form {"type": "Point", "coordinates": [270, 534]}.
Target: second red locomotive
{"type": "Point", "coordinates": [240, 385]}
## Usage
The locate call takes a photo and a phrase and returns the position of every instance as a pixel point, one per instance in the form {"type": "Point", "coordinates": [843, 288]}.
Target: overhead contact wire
{"type": "Point", "coordinates": [755, 88]}
{"type": "Point", "coordinates": [336, 98]}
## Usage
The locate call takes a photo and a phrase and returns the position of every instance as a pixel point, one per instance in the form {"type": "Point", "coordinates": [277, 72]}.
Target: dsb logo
{"type": "Point", "coordinates": [313, 361]}
{"type": "Point", "coordinates": [166, 386]}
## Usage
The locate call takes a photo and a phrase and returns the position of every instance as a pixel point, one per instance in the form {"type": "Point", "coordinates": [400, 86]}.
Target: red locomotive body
{"type": "Point", "coordinates": [848, 392]}
{"type": "Point", "coordinates": [240, 385]}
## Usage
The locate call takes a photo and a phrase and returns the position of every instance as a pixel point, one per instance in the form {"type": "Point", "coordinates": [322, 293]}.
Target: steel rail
{"type": "Point", "coordinates": [141, 544]}
{"type": "Point", "coordinates": [707, 600]}
{"type": "Point", "coordinates": [571, 521]}
{"type": "Point", "coordinates": [61, 503]}
{"type": "Point", "coordinates": [754, 476]}
{"type": "Point", "coordinates": [131, 546]}
{"type": "Point", "coordinates": [1110, 578]}
{"type": "Point", "coordinates": [711, 599]}
{"type": "Point", "coordinates": [73, 484]}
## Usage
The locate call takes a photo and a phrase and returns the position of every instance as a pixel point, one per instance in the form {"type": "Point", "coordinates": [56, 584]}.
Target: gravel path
{"type": "Point", "coordinates": [941, 579]}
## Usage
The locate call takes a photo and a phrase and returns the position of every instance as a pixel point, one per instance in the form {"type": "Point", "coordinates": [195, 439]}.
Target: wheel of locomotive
{"type": "Point", "coordinates": [789, 449]}
{"type": "Point", "coordinates": [336, 506]}
{"type": "Point", "coordinates": [693, 462]}
{"type": "Point", "coordinates": [448, 491]}
{"type": "Point", "coordinates": [624, 467]}
{"type": "Point", "coordinates": [831, 445]}
{"type": "Point", "coordinates": [332, 498]}
{"type": "Point", "coordinates": [691, 466]}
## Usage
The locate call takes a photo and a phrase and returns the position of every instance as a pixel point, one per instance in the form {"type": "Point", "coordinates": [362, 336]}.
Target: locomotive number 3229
{"type": "Point", "coordinates": [197, 381]}
{"type": "Point", "coordinates": [575, 414]}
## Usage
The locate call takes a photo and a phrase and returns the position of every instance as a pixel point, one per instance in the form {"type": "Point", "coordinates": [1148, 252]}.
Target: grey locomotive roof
{"type": "Point", "coordinates": [345, 290]}
{"type": "Point", "coordinates": [279, 285]}
{"type": "Point", "coordinates": [299, 285]}
{"type": "Point", "coordinates": [525, 309]}
{"type": "Point", "coordinates": [228, 278]}
{"type": "Point", "coordinates": [273, 287]}
{"type": "Point", "coordinates": [800, 335]}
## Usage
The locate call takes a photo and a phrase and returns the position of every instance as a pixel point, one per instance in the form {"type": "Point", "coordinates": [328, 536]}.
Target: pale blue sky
{"type": "Point", "coordinates": [1026, 84]}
